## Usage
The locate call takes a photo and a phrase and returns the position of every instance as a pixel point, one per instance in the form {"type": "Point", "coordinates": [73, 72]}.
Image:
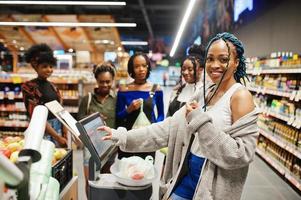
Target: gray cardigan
{"type": "Point", "coordinates": [228, 153]}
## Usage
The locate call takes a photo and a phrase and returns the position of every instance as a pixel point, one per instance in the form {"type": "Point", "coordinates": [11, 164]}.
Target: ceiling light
{"type": "Point", "coordinates": [68, 24]}
{"type": "Point", "coordinates": [73, 3]}
{"type": "Point", "coordinates": [70, 50]}
{"type": "Point", "coordinates": [182, 27]}
{"type": "Point", "coordinates": [21, 48]}
{"type": "Point", "coordinates": [142, 43]}
{"type": "Point", "coordinates": [119, 48]}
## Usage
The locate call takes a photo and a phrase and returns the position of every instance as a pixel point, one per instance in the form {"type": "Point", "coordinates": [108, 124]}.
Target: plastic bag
{"type": "Point", "coordinates": [136, 168]}
{"type": "Point", "coordinates": [141, 120]}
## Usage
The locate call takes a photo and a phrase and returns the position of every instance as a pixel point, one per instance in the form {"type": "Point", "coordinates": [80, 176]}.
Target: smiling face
{"type": "Point", "coordinates": [44, 70]}
{"type": "Point", "coordinates": [217, 60]}
{"type": "Point", "coordinates": [188, 72]}
{"type": "Point", "coordinates": [140, 68]}
{"type": "Point", "coordinates": [104, 82]}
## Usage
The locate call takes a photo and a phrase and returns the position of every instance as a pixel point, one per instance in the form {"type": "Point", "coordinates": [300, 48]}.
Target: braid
{"type": "Point", "coordinates": [241, 68]}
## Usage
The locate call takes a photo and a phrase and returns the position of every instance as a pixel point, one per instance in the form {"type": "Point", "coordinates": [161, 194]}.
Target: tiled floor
{"type": "Point", "coordinates": [262, 182]}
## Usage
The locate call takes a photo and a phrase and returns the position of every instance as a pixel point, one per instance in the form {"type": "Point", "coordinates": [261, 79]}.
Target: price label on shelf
{"type": "Point", "coordinates": [298, 96]}
{"type": "Point", "coordinates": [11, 95]}
{"type": "Point", "coordinates": [293, 94]}
{"type": "Point", "coordinates": [1, 95]}
{"type": "Point", "coordinates": [291, 120]}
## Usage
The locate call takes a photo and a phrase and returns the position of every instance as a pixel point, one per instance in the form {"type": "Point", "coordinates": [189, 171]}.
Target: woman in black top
{"type": "Point", "coordinates": [39, 91]}
{"type": "Point", "coordinates": [191, 70]}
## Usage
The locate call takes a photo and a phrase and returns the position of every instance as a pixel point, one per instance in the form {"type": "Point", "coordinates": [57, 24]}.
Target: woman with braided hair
{"type": "Point", "coordinates": [191, 70]}
{"type": "Point", "coordinates": [210, 143]}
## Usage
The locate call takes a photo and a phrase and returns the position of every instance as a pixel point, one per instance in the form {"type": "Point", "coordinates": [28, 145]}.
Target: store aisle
{"type": "Point", "coordinates": [262, 182]}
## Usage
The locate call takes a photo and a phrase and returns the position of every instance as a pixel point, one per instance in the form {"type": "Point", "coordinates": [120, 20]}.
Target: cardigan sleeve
{"type": "Point", "coordinates": [146, 139]}
{"type": "Point", "coordinates": [228, 150]}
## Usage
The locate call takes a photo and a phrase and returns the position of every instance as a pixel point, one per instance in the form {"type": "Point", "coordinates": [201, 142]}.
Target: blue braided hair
{"type": "Point", "coordinates": [240, 73]}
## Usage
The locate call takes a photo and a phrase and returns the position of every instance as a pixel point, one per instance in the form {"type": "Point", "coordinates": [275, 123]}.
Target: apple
{"type": "Point", "coordinates": [59, 153]}
{"type": "Point", "coordinates": [63, 152]}
{"type": "Point", "coordinates": [5, 152]}
{"type": "Point", "coordinates": [15, 146]}
{"type": "Point", "coordinates": [137, 176]}
{"type": "Point", "coordinates": [14, 156]}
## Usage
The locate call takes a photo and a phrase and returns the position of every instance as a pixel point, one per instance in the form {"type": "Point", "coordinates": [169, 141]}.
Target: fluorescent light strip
{"type": "Point", "coordinates": [75, 3]}
{"type": "Point", "coordinates": [182, 27]}
{"type": "Point", "coordinates": [142, 43]}
{"type": "Point", "coordinates": [68, 24]}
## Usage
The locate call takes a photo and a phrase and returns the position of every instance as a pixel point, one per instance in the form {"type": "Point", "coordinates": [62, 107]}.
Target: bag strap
{"type": "Point", "coordinates": [89, 100]}
{"type": "Point", "coordinates": [153, 90]}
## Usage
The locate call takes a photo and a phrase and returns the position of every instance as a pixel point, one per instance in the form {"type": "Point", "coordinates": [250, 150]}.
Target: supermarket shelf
{"type": "Point", "coordinates": [292, 95]}
{"type": "Point", "coordinates": [275, 70]}
{"type": "Point", "coordinates": [281, 142]}
{"type": "Point", "coordinates": [14, 97]}
{"type": "Point", "coordinates": [268, 112]}
{"type": "Point", "coordinates": [70, 97]}
{"type": "Point", "coordinates": [13, 123]}
{"type": "Point", "coordinates": [281, 169]}
{"type": "Point", "coordinates": [3, 109]}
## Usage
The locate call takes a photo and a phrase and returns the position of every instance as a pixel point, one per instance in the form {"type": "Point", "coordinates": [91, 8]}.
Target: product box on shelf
{"type": "Point", "coordinates": [62, 170]}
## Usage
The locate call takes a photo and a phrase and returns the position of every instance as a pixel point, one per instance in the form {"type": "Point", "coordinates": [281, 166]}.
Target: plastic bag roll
{"type": "Point", "coordinates": [53, 190]}
{"type": "Point", "coordinates": [44, 165]}
{"type": "Point", "coordinates": [35, 131]}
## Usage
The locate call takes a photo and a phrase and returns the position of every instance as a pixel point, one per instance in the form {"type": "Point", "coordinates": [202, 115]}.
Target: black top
{"type": "Point", "coordinates": [48, 94]}
{"type": "Point", "coordinates": [174, 106]}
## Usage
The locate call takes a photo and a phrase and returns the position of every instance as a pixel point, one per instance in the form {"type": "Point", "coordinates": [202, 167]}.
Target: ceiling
{"type": "Point", "coordinates": [157, 22]}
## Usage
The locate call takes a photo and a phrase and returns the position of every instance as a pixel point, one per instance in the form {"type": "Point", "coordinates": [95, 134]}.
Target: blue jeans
{"type": "Point", "coordinates": [57, 126]}
{"type": "Point", "coordinates": [176, 197]}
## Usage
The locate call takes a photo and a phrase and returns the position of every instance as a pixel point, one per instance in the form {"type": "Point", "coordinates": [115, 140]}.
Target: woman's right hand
{"type": "Point", "coordinates": [190, 106]}
{"type": "Point", "coordinates": [135, 105]}
{"type": "Point", "coordinates": [62, 141]}
{"type": "Point", "coordinates": [108, 131]}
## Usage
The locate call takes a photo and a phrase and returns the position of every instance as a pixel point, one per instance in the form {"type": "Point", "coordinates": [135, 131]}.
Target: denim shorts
{"type": "Point", "coordinates": [57, 126]}
{"type": "Point", "coordinates": [176, 197]}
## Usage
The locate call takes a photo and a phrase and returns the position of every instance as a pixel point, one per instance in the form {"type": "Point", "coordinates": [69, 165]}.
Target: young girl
{"type": "Point", "coordinates": [40, 91]}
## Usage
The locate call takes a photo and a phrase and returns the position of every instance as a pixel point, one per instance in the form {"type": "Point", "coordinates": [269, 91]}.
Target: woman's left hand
{"type": "Point", "coordinates": [190, 106]}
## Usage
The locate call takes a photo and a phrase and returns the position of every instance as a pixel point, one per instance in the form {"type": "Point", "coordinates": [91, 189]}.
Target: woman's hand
{"type": "Point", "coordinates": [62, 141]}
{"type": "Point", "coordinates": [108, 132]}
{"type": "Point", "coordinates": [135, 105]}
{"type": "Point", "coordinates": [190, 106]}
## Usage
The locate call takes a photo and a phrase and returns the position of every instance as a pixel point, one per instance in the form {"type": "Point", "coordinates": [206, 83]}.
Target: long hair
{"type": "Point", "coordinates": [196, 54]}
{"type": "Point", "coordinates": [240, 73]}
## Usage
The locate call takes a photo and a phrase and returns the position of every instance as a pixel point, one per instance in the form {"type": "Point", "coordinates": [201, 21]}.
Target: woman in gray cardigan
{"type": "Point", "coordinates": [211, 146]}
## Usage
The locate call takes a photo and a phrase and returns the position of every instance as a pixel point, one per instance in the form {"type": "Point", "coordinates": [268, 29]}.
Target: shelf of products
{"type": "Point", "coordinates": [275, 84]}
{"type": "Point", "coordinates": [266, 70]}
{"type": "Point", "coordinates": [12, 110]}
{"type": "Point", "coordinates": [295, 181]}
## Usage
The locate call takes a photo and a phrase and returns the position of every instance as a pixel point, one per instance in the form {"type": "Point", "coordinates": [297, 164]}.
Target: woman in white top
{"type": "Point", "coordinates": [208, 152]}
{"type": "Point", "coordinates": [191, 70]}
